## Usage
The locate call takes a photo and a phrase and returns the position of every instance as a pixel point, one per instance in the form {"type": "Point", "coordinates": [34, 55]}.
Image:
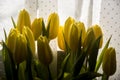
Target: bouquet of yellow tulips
{"type": "Point", "coordinates": [21, 60]}
{"type": "Point", "coordinates": [81, 47]}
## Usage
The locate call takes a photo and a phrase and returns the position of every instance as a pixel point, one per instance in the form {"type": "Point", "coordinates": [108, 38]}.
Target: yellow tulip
{"type": "Point", "coordinates": [81, 28]}
{"type": "Point", "coordinates": [17, 44]}
{"type": "Point", "coordinates": [37, 27]}
{"type": "Point", "coordinates": [98, 32]}
{"type": "Point", "coordinates": [44, 51]}
{"type": "Point", "coordinates": [90, 37]}
{"type": "Point", "coordinates": [53, 23]}
{"type": "Point", "coordinates": [23, 20]}
{"type": "Point", "coordinates": [109, 61]}
{"type": "Point", "coordinates": [60, 39]}
{"type": "Point", "coordinates": [20, 49]}
{"type": "Point", "coordinates": [73, 38]}
{"type": "Point", "coordinates": [67, 26]}
{"type": "Point", "coordinates": [30, 38]}
{"type": "Point", "coordinates": [11, 40]}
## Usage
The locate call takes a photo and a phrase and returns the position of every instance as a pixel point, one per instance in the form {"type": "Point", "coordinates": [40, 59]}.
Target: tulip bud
{"type": "Point", "coordinates": [98, 32]}
{"type": "Point", "coordinates": [44, 51]}
{"type": "Point", "coordinates": [20, 49]}
{"type": "Point", "coordinates": [17, 44]}
{"type": "Point", "coordinates": [11, 40]}
{"type": "Point", "coordinates": [53, 23]}
{"type": "Point", "coordinates": [37, 27]}
{"type": "Point", "coordinates": [23, 20]}
{"type": "Point", "coordinates": [30, 38]}
{"type": "Point", "coordinates": [109, 61]}
{"type": "Point", "coordinates": [81, 28]}
{"type": "Point", "coordinates": [73, 38]}
{"type": "Point", "coordinates": [60, 39]}
{"type": "Point", "coordinates": [67, 26]}
{"type": "Point", "coordinates": [90, 37]}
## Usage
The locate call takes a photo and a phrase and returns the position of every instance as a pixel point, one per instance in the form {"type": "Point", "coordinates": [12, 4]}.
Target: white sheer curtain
{"type": "Point", "coordinates": [83, 10]}
{"type": "Point", "coordinates": [8, 8]}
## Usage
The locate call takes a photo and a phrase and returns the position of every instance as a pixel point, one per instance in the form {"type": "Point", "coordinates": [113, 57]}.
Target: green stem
{"type": "Point", "coordinates": [74, 56]}
{"type": "Point", "coordinates": [72, 60]}
{"type": "Point", "coordinates": [50, 76]}
{"type": "Point", "coordinates": [105, 77]}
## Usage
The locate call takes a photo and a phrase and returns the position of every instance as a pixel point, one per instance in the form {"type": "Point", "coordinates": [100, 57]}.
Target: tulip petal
{"type": "Point", "coordinates": [23, 20]}
{"type": "Point", "coordinates": [20, 49]}
{"type": "Point", "coordinates": [109, 62]}
{"type": "Point", "coordinates": [60, 39]}
{"type": "Point", "coordinates": [37, 27]}
{"type": "Point", "coordinates": [73, 38]}
{"type": "Point", "coordinates": [98, 32]}
{"type": "Point", "coordinates": [54, 25]}
{"type": "Point", "coordinates": [30, 38]}
{"type": "Point", "coordinates": [67, 26]}
{"type": "Point", "coordinates": [44, 51]}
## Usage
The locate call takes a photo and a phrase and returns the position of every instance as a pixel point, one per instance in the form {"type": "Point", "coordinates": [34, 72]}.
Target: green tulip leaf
{"type": "Point", "coordinates": [5, 34]}
{"type": "Point", "coordinates": [79, 45]}
{"type": "Point", "coordinates": [41, 70]}
{"type": "Point", "coordinates": [79, 63]}
{"type": "Point", "coordinates": [67, 49]}
{"type": "Point", "coordinates": [28, 71]}
{"type": "Point", "coordinates": [43, 29]}
{"type": "Point", "coordinates": [9, 64]}
{"type": "Point", "coordinates": [94, 53]}
{"type": "Point", "coordinates": [13, 22]}
{"type": "Point", "coordinates": [21, 70]}
{"type": "Point", "coordinates": [101, 55]}
{"type": "Point", "coordinates": [48, 29]}
{"type": "Point", "coordinates": [67, 76]}
{"type": "Point", "coordinates": [36, 78]}
{"type": "Point", "coordinates": [87, 76]}
{"type": "Point", "coordinates": [60, 76]}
